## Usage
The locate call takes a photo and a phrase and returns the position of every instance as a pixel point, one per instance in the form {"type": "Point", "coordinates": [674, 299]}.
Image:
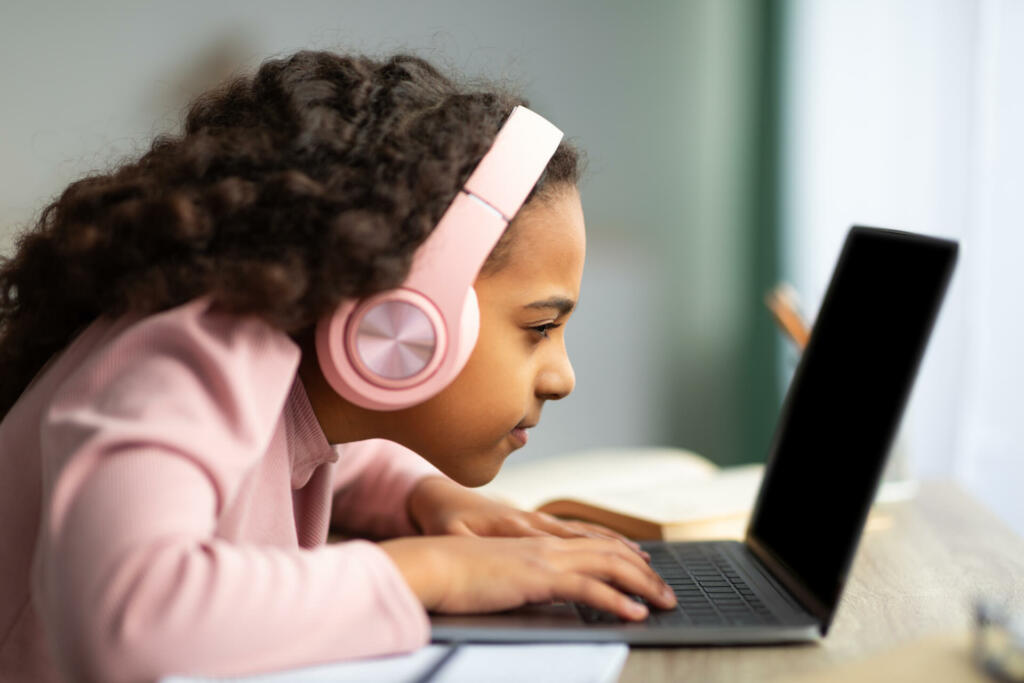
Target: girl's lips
{"type": "Point", "coordinates": [520, 435]}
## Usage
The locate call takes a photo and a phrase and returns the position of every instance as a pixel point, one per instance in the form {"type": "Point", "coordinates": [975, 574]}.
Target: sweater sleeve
{"type": "Point", "coordinates": [372, 482]}
{"type": "Point", "coordinates": [144, 445]}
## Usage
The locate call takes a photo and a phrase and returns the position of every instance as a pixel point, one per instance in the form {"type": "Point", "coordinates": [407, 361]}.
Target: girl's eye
{"type": "Point", "coordinates": [542, 330]}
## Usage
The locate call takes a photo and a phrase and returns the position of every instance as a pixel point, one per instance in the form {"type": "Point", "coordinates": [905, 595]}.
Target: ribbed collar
{"type": "Point", "coordinates": [307, 445]}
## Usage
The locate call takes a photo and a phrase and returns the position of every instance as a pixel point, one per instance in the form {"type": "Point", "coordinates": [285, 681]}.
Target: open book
{"type": "Point", "coordinates": [644, 493]}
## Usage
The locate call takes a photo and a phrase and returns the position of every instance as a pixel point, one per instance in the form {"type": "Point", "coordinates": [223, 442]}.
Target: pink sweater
{"type": "Point", "coordinates": [165, 493]}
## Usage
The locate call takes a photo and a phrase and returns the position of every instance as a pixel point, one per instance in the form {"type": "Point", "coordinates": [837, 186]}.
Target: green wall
{"type": "Point", "coordinates": [722, 398]}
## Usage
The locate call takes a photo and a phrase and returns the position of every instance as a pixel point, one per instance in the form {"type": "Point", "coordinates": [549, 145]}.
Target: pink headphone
{"type": "Point", "coordinates": [400, 347]}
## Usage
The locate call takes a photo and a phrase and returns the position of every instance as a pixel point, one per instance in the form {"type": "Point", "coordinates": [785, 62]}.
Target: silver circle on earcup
{"type": "Point", "coordinates": [395, 340]}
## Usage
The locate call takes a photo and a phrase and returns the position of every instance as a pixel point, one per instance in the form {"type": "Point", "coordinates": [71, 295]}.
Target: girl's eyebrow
{"type": "Point", "coordinates": [561, 303]}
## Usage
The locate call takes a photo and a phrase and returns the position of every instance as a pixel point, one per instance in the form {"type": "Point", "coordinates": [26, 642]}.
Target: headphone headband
{"type": "Point", "coordinates": [517, 158]}
{"type": "Point", "coordinates": [451, 257]}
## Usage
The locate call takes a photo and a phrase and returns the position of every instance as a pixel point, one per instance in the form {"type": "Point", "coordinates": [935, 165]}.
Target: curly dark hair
{"type": "Point", "coordinates": [310, 182]}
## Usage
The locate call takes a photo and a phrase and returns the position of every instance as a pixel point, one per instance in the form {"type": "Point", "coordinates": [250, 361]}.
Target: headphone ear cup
{"type": "Point", "coordinates": [350, 379]}
{"type": "Point", "coordinates": [469, 331]}
{"type": "Point", "coordinates": [330, 348]}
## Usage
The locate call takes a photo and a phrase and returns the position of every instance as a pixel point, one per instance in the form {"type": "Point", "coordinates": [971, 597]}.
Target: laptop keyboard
{"type": "Point", "coordinates": [710, 592]}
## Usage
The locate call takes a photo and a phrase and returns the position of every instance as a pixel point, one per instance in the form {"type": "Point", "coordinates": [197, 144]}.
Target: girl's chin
{"type": "Point", "coordinates": [476, 478]}
{"type": "Point", "coordinates": [483, 469]}
{"type": "Point", "coordinates": [478, 467]}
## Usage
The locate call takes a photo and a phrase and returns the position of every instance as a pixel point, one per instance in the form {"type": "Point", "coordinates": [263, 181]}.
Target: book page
{"type": "Point", "coordinates": [594, 475]}
{"type": "Point", "coordinates": [728, 492]}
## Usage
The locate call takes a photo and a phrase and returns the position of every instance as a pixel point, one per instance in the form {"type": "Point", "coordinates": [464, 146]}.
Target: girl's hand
{"type": "Point", "coordinates": [462, 574]}
{"type": "Point", "coordinates": [439, 506]}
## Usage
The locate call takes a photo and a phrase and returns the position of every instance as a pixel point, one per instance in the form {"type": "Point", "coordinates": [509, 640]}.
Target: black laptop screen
{"type": "Point", "coordinates": [845, 401]}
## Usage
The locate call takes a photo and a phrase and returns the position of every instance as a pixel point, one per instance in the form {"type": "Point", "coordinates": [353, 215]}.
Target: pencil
{"type": "Point", "coordinates": [782, 302]}
{"type": "Point", "coordinates": [432, 672]}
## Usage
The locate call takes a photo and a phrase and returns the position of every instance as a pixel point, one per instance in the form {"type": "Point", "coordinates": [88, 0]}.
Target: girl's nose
{"type": "Point", "coordinates": [557, 379]}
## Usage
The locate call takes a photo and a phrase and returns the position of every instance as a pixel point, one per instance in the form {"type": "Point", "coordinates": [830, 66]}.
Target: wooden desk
{"type": "Point", "coordinates": [918, 568]}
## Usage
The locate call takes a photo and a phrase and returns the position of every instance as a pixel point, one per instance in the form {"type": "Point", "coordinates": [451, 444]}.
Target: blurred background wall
{"type": "Point", "coordinates": [731, 143]}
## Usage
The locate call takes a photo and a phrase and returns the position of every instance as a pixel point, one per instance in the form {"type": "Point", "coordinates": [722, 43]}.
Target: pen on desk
{"type": "Point", "coordinates": [782, 302]}
{"type": "Point", "coordinates": [430, 673]}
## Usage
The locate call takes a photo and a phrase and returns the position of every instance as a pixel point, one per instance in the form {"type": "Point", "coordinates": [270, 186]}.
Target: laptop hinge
{"type": "Point", "coordinates": [789, 580]}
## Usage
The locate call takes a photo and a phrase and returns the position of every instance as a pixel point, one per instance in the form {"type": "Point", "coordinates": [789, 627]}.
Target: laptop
{"type": "Point", "coordinates": [783, 582]}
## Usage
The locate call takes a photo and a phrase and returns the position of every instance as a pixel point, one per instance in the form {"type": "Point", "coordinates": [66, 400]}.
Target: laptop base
{"type": "Point", "coordinates": [562, 622]}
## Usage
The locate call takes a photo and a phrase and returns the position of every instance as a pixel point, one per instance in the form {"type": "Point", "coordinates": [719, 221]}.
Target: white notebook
{"type": "Point", "coordinates": [550, 663]}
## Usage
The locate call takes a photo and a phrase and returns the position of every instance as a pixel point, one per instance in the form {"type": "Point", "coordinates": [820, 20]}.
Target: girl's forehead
{"type": "Point", "coordinates": [545, 257]}
{"type": "Point", "coordinates": [553, 227]}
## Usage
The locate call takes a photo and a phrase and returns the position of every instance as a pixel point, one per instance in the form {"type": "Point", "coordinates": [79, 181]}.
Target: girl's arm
{"type": "Point", "coordinates": [385, 490]}
{"type": "Point", "coordinates": [143, 447]}
{"type": "Point", "coordinates": [135, 586]}
{"type": "Point", "coordinates": [372, 483]}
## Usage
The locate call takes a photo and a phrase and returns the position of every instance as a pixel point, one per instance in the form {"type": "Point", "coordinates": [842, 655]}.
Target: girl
{"type": "Point", "coordinates": [173, 449]}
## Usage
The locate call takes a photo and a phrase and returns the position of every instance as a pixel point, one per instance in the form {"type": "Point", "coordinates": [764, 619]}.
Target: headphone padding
{"type": "Point", "coordinates": [468, 331]}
